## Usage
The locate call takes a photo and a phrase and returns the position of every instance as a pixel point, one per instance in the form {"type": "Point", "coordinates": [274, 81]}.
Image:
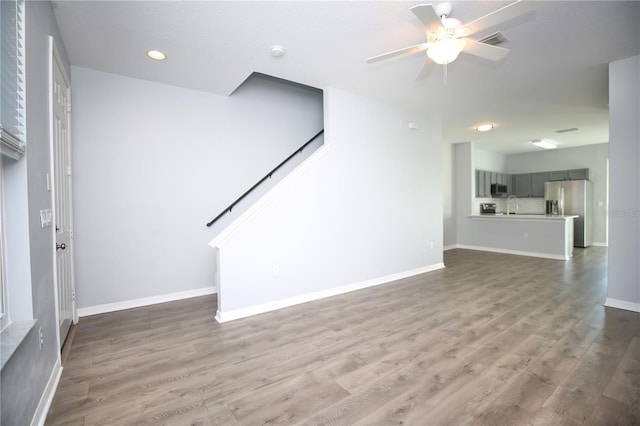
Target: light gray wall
{"type": "Point", "coordinates": [465, 191]}
{"type": "Point", "coordinates": [593, 157]}
{"type": "Point", "coordinates": [448, 196]}
{"type": "Point", "coordinates": [624, 195]}
{"type": "Point", "coordinates": [154, 163]}
{"type": "Point", "coordinates": [491, 161]}
{"type": "Point", "coordinates": [368, 208]}
{"type": "Point", "coordinates": [25, 375]}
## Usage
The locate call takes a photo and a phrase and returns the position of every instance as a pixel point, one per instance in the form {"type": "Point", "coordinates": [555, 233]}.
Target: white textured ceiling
{"type": "Point", "coordinates": [556, 76]}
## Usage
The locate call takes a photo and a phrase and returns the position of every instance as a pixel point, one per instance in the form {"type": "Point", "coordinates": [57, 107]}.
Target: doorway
{"type": "Point", "coordinates": [60, 114]}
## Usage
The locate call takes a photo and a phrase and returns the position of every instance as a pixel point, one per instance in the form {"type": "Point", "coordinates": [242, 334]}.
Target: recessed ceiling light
{"type": "Point", "coordinates": [484, 127]}
{"type": "Point", "coordinates": [156, 55]}
{"type": "Point", "coordinates": [543, 143]}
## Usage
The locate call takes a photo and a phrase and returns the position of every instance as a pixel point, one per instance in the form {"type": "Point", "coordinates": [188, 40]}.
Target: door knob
{"type": "Point", "coordinates": [61, 246]}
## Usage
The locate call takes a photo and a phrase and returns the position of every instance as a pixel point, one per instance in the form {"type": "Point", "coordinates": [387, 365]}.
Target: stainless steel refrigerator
{"type": "Point", "coordinates": [577, 201]}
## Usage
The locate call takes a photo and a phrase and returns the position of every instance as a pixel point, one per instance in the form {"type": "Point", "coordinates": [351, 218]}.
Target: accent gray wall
{"type": "Point", "coordinates": [624, 193]}
{"type": "Point", "coordinates": [26, 374]}
{"type": "Point", "coordinates": [154, 163]}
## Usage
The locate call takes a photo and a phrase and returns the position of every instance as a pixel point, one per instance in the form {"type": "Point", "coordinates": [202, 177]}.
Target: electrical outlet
{"type": "Point", "coordinates": [41, 337]}
{"type": "Point", "coordinates": [276, 270]}
{"type": "Point", "coordinates": [431, 244]}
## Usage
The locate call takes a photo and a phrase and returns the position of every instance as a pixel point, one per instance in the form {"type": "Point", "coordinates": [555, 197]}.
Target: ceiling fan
{"type": "Point", "coordinates": [447, 37]}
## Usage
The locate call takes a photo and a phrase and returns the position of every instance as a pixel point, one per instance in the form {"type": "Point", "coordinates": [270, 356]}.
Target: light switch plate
{"type": "Point", "coordinates": [45, 218]}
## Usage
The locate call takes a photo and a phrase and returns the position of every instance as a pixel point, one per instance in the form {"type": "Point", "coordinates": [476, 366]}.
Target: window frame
{"type": "Point", "coordinates": [13, 131]}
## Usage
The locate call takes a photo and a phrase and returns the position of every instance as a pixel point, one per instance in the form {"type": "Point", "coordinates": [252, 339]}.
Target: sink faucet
{"type": "Point", "coordinates": [509, 198]}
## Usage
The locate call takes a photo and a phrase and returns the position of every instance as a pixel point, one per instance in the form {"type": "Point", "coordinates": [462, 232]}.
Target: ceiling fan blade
{"type": "Point", "coordinates": [411, 49]}
{"type": "Point", "coordinates": [428, 17]}
{"type": "Point", "coordinates": [499, 16]}
{"type": "Point", "coordinates": [426, 69]}
{"type": "Point", "coordinates": [483, 50]}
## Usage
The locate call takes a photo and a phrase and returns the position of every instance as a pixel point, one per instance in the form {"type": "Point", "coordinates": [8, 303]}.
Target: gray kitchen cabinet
{"type": "Point", "coordinates": [503, 179]}
{"type": "Point", "coordinates": [578, 174]}
{"type": "Point", "coordinates": [529, 185]}
{"type": "Point", "coordinates": [558, 175]}
{"type": "Point", "coordinates": [522, 185]}
{"type": "Point", "coordinates": [488, 180]}
{"type": "Point", "coordinates": [485, 178]}
{"type": "Point", "coordinates": [537, 184]}
{"type": "Point", "coordinates": [575, 174]}
{"type": "Point", "coordinates": [480, 183]}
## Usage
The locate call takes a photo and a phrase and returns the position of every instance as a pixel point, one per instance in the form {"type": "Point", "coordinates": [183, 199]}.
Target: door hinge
{"type": "Point", "coordinates": [70, 232]}
{"type": "Point", "coordinates": [73, 295]}
{"type": "Point", "coordinates": [67, 107]}
{"type": "Point", "coordinates": [69, 170]}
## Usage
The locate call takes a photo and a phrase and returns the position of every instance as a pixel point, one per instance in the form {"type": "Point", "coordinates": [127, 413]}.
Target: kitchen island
{"type": "Point", "coordinates": [539, 235]}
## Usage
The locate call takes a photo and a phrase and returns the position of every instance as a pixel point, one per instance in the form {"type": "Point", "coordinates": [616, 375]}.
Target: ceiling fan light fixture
{"type": "Point", "coordinates": [544, 143]}
{"type": "Point", "coordinates": [445, 51]}
{"type": "Point", "coordinates": [484, 127]}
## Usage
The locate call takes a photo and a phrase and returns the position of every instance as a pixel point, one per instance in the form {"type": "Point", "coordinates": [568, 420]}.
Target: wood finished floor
{"type": "Point", "coordinates": [492, 339]}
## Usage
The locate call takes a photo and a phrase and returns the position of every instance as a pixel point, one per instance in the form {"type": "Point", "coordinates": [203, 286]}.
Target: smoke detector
{"type": "Point", "coordinates": [277, 51]}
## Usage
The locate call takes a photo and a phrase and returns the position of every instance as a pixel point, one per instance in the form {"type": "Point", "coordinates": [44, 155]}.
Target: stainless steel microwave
{"type": "Point", "coordinates": [498, 189]}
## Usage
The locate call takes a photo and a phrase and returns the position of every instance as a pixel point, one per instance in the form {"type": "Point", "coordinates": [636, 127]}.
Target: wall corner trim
{"type": "Point", "coordinates": [297, 300]}
{"type": "Point", "coordinates": [622, 304]}
{"type": "Point", "coordinates": [46, 399]}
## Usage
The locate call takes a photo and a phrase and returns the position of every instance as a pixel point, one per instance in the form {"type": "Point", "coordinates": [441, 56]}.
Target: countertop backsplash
{"type": "Point", "coordinates": [525, 205]}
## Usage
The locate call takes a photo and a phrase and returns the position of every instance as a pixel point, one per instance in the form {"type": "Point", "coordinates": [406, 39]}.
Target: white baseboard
{"type": "Point", "coordinates": [145, 301]}
{"type": "Point", "coordinates": [291, 301]}
{"type": "Point", "coordinates": [516, 252]}
{"type": "Point", "coordinates": [47, 396]}
{"type": "Point", "coordinates": [450, 247]}
{"type": "Point", "coordinates": [599, 244]}
{"type": "Point", "coordinates": [622, 304]}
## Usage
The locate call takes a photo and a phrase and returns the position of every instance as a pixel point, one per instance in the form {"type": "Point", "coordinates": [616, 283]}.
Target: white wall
{"type": "Point", "coordinates": [154, 163]}
{"type": "Point", "coordinates": [593, 157]}
{"type": "Point", "coordinates": [368, 208]}
{"type": "Point", "coordinates": [491, 161]}
{"type": "Point", "coordinates": [624, 207]}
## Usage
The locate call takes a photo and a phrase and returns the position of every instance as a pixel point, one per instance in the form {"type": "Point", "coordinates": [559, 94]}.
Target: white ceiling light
{"type": "Point", "coordinates": [156, 55]}
{"type": "Point", "coordinates": [445, 50]}
{"type": "Point", "coordinates": [484, 127]}
{"type": "Point", "coordinates": [543, 143]}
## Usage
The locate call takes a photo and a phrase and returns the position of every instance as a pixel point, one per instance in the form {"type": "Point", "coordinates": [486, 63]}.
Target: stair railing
{"type": "Point", "coordinates": [267, 176]}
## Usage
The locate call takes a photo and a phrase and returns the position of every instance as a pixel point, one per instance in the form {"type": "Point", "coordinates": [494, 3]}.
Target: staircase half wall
{"type": "Point", "coordinates": [364, 209]}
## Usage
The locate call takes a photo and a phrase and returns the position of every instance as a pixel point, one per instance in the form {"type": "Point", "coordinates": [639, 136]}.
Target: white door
{"type": "Point", "coordinates": [62, 217]}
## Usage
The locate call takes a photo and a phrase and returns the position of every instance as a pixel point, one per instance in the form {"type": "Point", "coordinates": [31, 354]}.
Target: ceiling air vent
{"type": "Point", "coordinates": [573, 129]}
{"type": "Point", "coordinates": [494, 39]}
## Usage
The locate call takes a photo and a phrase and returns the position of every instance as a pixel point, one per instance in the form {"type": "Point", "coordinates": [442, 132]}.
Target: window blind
{"type": "Point", "coordinates": [12, 79]}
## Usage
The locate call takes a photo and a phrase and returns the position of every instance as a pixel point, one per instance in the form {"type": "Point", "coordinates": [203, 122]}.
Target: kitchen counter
{"type": "Point", "coordinates": [522, 216]}
{"type": "Point", "coordinates": [535, 235]}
